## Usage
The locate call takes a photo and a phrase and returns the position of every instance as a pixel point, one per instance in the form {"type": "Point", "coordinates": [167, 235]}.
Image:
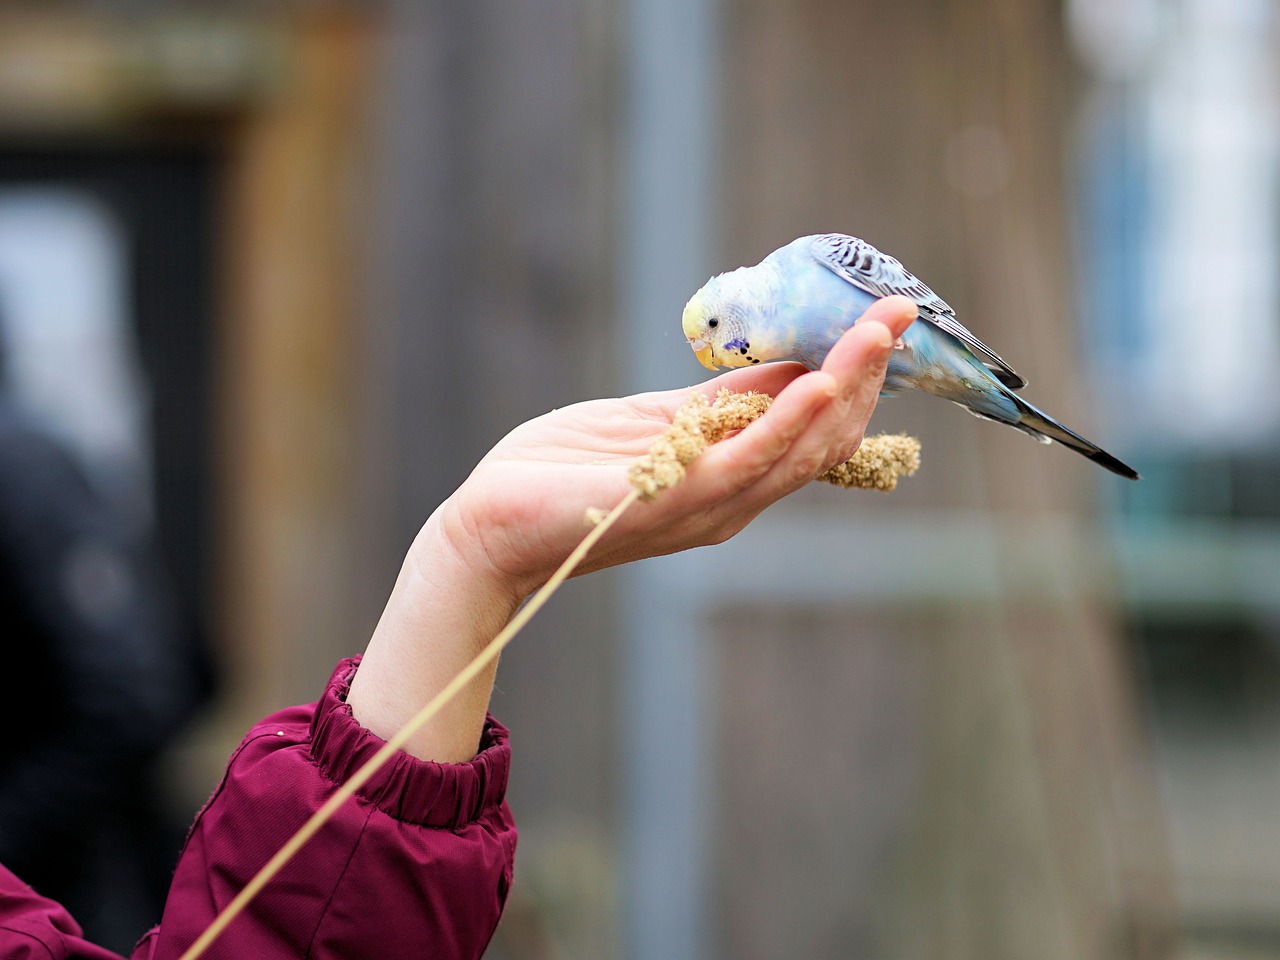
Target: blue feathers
{"type": "Point", "coordinates": [798, 301]}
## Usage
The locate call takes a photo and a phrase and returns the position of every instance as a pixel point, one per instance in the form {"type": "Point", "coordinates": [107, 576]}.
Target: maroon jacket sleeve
{"type": "Point", "coordinates": [422, 855]}
{"type": "Point", "coordinates": [33, 927]}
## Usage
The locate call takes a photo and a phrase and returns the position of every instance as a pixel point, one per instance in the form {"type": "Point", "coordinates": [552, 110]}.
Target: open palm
{"type": "Point", "coordinates": [521, 510]}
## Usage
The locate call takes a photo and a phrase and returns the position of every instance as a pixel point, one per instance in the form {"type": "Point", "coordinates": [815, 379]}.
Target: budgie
{"type": "Point", "coordinates": [797, 302]}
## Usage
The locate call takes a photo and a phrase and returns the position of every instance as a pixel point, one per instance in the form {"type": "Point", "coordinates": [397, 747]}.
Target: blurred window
{"type": "Point", "coordinates": [1179, 248]}
{"type": "Point", "coordinates": [1179, 235]}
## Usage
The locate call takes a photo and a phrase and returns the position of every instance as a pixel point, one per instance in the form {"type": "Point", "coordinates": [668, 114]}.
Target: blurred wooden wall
{"type": "Point", "coordinates": [921, 777]}
{"type": "Point", "coordinates": [418, 233]}
{"type": "Point", "coordinates": [418, 229]}
{"type": "Point", "coordinates": [904, 777]}
{"type": "Point", "coordinates": [294, 221]}
{"type": "Point", "coordinates": [489, 302]}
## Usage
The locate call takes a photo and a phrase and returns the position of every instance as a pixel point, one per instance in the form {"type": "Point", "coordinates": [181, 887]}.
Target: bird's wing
{"type": "Point", "coordinates": [881, 275]}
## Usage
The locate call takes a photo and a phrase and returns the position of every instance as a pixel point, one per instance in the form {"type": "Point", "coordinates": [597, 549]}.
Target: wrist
{"type": "Point", "coordinates": [452, 541]}
{"type": "Point", "coordinates": [447, 604]}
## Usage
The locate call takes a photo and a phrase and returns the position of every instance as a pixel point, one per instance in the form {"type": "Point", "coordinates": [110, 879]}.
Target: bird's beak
{"type": "Point", "coordinates": [702, 350]}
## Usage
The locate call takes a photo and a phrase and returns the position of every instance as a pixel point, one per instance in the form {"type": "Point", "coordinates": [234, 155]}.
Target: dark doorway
{"type": "Point", "coordinates": [162, 198]}
{"type": "Point", "coordinates": [165, 198]}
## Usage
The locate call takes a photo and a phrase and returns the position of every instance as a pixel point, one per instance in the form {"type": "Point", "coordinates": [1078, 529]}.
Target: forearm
{"type": "Point", "coordinates": [444, 609]}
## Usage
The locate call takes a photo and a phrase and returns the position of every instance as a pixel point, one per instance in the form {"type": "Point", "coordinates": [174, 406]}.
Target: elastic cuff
{"type": "Point", "coordinates": [406, 788]}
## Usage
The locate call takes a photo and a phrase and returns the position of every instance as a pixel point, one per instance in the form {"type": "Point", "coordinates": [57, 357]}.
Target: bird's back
{"type": "Point", "coordinates": [813, 301]}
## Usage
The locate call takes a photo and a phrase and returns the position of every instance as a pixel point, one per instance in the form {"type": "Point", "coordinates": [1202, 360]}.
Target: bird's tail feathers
{"type": "Point", "coordinates": [1044, 428]}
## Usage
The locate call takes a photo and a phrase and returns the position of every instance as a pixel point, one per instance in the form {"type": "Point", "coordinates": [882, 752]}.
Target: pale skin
{"type": "Point", "coordinates": [511, 523]}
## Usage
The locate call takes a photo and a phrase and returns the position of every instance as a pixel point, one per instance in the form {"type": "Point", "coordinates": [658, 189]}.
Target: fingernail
{"type": "Point", "coordinates": [883, 336]}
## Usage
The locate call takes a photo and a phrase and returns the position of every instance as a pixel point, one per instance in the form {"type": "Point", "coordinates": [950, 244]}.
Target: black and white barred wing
{"type": "Point", "coordinates": [883, 276]}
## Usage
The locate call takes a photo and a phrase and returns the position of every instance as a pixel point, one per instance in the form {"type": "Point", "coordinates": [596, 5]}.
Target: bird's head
{"type": "Point", "coordinates": [715, 322]}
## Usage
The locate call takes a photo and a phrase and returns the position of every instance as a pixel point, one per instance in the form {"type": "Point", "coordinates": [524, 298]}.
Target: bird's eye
{"type": "Point", "coordinates": [713, 323]}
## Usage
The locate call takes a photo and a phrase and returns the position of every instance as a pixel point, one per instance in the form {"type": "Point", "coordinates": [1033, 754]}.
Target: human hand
{"type": "Point", "coordinates": [521, 511]}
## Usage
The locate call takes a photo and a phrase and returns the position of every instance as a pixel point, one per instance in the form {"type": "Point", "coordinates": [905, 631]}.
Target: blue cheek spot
{"type": "Point", "coordinates": [737, 343]}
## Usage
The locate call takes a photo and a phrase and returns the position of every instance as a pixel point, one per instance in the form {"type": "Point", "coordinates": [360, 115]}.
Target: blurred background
{"type": "Point", "coordinates": [277, 275]}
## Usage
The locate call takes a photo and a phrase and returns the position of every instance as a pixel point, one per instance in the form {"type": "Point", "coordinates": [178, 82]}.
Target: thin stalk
{"type": "Point", "coordinates": [358, 779]}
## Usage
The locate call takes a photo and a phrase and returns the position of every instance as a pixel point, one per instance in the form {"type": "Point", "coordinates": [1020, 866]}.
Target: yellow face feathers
{"type": "Point", "coordinates": [697, 332]}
